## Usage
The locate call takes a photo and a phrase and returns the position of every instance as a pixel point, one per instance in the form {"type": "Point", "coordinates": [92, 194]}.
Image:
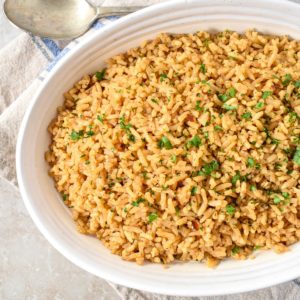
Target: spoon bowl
{"type": "Point", "coordinates": [57, 19]}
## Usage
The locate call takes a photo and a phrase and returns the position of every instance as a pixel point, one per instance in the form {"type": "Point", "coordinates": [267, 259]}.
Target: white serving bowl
{"type": "Point", "coordinates": [44, 203]}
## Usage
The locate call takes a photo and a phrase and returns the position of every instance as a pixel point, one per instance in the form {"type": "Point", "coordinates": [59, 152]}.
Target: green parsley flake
{"type": "Point", "coordinates": [276, 199]}
{"type": "Point", "coordinates": [218, 128]}
{"type": "Point", "coordinates": [229, 107]}
{"type": "Point", "coordinates": [203, 69]}
{"type": "Point", "coordinates": [174, 158]}
{"type": "Point", "coordinates": [250, 162]}
{"type": "Point", "coordinates": [259, 105]}
{"type": "Point", "coordinates": [194, 142]}
{"type": "Point", "coordinates": [256, 248]}
{"type": "Point", "coordinates": [235, 250]}
{"type": "Point", "coordinates": [252, 188]}
{"type": "Point", "coordinates": [287, 78]}
{"type": "Point", "coordinates": [164, 142]}
{"type": "Point", "coordinates": [193, 190]}
{"type": "Point", "coordinates": [297, 84]}
{"type": "Point", "coordinates": [138, 201]}
{"type": "Point", "coordinates": [266, 94]}
{"type": "Point", "coordinates": [126, 128]}
{"type": "Point", "coordinates": [152, 217]}
{"type": "Point", "coordinates": [296, 157]}
{"type": "Point", "coordinates": [65, 197]}
{"type": "Point", "coordinates": [100, 75]}
{"type": "Point", "coordinates": [100, 118]}
{"type": "Point", "coordinates": [230, 209]}
{"type": "Point", "coordinates": [223, 97]}
{"type": "Point", "coordinates": [154, 100]}
{"type": "Point", "coordinates": [232, 92]}
{"type": "Point", "coordinates": [207, 169]}
{"type": "Point", "coordinates": [285, 195]}
{"type": "Point", "coordinates": [162, 77]}
{"type": "Point", "coordinates": [90, 133]}
{"type": "Point", "coordinates": [75, 136]}
{"type": "Point", "coordinates": [247, 115]}
{"type": "Point", "coordinates": [198, 107]}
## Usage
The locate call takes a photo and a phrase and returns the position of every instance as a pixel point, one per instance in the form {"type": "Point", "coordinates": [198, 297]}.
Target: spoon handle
{"type": "Point", "coordinates": [116, 10]}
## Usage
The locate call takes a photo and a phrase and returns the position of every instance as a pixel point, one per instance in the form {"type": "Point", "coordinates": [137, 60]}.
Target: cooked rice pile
{"type": "Point", "coordinates": [185, 148]}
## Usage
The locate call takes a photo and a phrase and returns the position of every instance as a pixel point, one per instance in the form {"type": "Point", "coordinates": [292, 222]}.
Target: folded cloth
{"type": "Point", "coordinates": [24, 64]}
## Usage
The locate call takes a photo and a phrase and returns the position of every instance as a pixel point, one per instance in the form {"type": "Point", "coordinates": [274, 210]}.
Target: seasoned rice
{"type": "Point", "coordinates": [185, 148]}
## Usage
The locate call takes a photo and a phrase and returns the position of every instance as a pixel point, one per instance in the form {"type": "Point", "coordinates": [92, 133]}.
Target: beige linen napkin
{"type": "Point", "coordinates": [21, 65]}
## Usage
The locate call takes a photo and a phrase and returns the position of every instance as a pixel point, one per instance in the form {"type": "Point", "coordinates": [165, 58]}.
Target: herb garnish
{"type": "Point", "coordinates": [138, 201]}
{"type": "Point", "coordinates": [266, 94]}
{"type": "Point", "coordinates": [164, 142]}
{"type": "Point", "coordinates": [230, 209]}
{"type": "Point", "coordinates": [193, 190]}
{"type": "Point", "coordinates": [100, 75]}
{"type": "Point", "coordinates": [152, 217]}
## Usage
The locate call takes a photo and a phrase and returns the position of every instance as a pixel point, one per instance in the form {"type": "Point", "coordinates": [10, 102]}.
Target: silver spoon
{"type": "Point", "coordinates": [58, 19]}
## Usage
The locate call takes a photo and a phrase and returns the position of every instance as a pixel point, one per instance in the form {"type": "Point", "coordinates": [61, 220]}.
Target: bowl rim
{"type": "Point", "coordinates": [85, 42]}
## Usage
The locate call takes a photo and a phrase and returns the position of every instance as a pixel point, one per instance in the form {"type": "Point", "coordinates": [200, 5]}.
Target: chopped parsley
{"type": "Point", "coordinates": [194, 142]}
{"type": "Point", "coordinates": [287, 78]}
{"type": "Point", "coordinates": [100, 118]}
{"type": "Point", "coordinates": [285, 195]}
{"type": "Point", "coordinates": [232, 92]}
{"type": "Point", "coordinates": [276, 199]}
{"type": "Point", "coordinates": [203, 69]}
{"type": "Point", "coordinates": [100, 75]}
{"type": "Point", "coordinates": [239, 177]}
{"type": "Point", "coordinates": [87, 162]}
{"type": "Point", "coordinates": [164, 142]}
{"type": "Point", "coordinates": [198, 107]}
{"type": "Point", "coordinates": [259, 105]}
{"type": "Point", "coordinates": [252, 188]}
{"type": "Point", "coordinates": [162, 77]}
{"type": "Point", "coordinates": [250, 162]}
{"type": "Point", "coordinates": [230, 209]}
{"type": "Point", "coordinates": [229, 107]}
{"type": "Point", "coordinates": [208, 168]}
{"type": "Point", "coordinates": [154, 100]}
{"type": "Point", "coordinates": [138, 201]}
{"type": "Point", "coordinates": [235, 250]}
{"type": "Point", "coordinates": [90, 133]}
{"type": "Point", "coordinates": [293, 117]}
{"type": "Point", "coordinates": [266, 94]}
{"type": "Point", "coordinates": [247, 115]}
{"type": "Point", "coordinates": [65, 197]}
{"type": "Point", "coordinates": [174, 158]}
{"type": "Point", "coordinates": [76, 135]}
{"type": "Point", "coordinates": [218, 128]}
{"type": "Point", "coordinates": [193, 190]}
{"type": "Point", "coordinates": [297, 84]}
{"type": "Point", "coordinates": [152, 217]}
{"type": "Point", "coordinates": [126, 128]}
{"type": "Point", "coordinates": [296, 157]}
{"type": "Point", "coordinates": [223, 97]}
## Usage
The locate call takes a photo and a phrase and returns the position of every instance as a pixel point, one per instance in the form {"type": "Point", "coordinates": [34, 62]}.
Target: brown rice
{"type": "Point", "coordinates": [185, 148]}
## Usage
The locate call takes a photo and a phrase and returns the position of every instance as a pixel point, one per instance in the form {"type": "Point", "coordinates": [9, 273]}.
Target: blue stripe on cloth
{"type": "Point", "coordinates": [52, 46]}
{"type": "Point", "coordinates": [97, 24]}
{"type": "Point", "coordinates": [57, 58]}
{"type": "Point", "coordinates": [40, 47]}
{"type": "Point", "coordinates": [297, 281]}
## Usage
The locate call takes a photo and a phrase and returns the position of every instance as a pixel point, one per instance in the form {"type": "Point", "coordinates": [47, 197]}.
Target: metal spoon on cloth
{"type": "Point", "coordinates": [58, 19]}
